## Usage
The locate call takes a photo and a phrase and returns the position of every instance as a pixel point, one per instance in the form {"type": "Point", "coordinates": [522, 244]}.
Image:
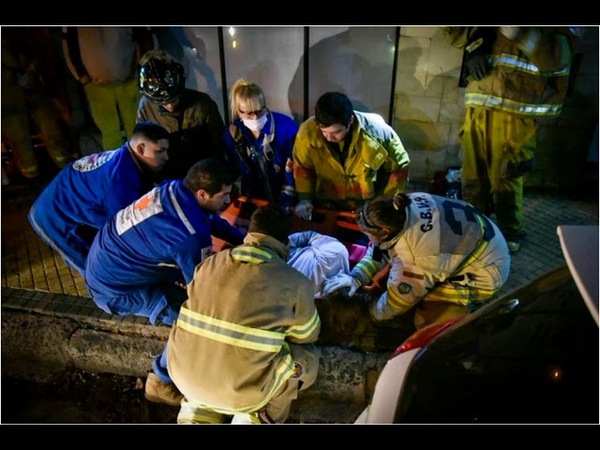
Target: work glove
{"type": "Point", "coordinates": [304, 209]}
{"type": "Point", "coordinates": [480, 45]}
{"type": "Point", "coordinates": [477, 66]}
{"type": "Point", "coordinates": [338, 282]}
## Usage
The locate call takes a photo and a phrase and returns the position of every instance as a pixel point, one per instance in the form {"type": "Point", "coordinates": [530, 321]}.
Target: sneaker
{"type": "Point", "coordinates": [514, 240]}
{"type": "Point", "coordinates": [513, 246]}
{"type": "Point", "coordinates": [159, 392]}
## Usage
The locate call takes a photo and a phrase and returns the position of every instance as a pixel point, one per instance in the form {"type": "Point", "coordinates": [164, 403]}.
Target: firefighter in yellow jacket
{"type": "Point", "coordinates": [342, 157]}
{"type": "Point", "coordinates": [243, 343]}
{"type": "Point", "coordinates": [516, 76]}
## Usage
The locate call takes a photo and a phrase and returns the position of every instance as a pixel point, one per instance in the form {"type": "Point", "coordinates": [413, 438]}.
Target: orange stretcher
{"type": "Point", "coordinates": [339, 224]}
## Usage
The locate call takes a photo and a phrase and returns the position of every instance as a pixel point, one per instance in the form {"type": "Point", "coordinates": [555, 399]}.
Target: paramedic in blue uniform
{"type": "Point", "coordinates": [258, 146]}
{"type": "Point", "coordinates": [140, 258]}
{"type": "Point", "coordinates": [88, 192]}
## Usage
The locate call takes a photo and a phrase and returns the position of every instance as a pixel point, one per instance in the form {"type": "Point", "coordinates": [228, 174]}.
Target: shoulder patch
{"type": "Point", "coordinates": [404, 288]}
{"type": "Point", "coordinates": [91, 162]}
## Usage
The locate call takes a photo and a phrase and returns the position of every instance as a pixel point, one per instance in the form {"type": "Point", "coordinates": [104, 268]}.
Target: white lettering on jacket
{"type": "Point", "coordinates": [140, 210]}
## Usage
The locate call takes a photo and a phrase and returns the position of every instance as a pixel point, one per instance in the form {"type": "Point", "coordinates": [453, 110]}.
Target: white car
{"type": "Point", "coordinates": [531, 356]}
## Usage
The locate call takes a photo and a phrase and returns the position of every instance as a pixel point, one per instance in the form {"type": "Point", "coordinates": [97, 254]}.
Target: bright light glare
{"type": "Point", "coordinates": [556, 374]}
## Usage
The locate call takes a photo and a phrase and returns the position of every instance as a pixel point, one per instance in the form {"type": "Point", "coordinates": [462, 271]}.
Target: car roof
{"type": "Point", "coordinates": [580, 246]}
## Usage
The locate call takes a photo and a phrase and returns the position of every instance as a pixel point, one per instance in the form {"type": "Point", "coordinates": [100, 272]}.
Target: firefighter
{"type": "Point", "coordinates": [105, 61]}
{"type": "Point", "coordinates": [243, 344]}
{"type": "Point", "coordinates": [191, 117]}
{"type": "Point", "coordinates": [141, 258]}
{"type": "Point", "coordinates": [343, 157]}
{"type": "Point", "coordinates": [33, 100]}
{"type": "Point", "coordinates": [446, 258]}
{"type": "Point", "coordinates": [88, 192]}
{"type": "Point", "coordinates": [516, 77]}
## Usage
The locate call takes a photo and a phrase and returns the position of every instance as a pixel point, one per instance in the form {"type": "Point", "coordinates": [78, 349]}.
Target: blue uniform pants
{"type": "Point", "coordinates": [159, 302]}
{"type": "Point", "coordinates": [159, 367]}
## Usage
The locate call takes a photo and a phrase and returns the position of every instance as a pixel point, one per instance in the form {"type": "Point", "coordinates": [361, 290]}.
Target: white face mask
{"type": "Point", "coordinates": [255, 124]}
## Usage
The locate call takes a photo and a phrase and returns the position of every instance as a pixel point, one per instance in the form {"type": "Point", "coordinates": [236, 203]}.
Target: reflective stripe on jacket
{"type": "Point", "coordinates": [442, 238]}
{"type": "Point", "coordinates": [377, 163]}
{"type": "Point", "coordinates": [229, 349]}
{"type": "Point", "coordinates": [529, 76]}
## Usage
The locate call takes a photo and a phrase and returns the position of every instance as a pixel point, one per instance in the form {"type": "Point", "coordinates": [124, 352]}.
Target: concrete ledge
{"type": "Point", "coordinates": [36, 345]}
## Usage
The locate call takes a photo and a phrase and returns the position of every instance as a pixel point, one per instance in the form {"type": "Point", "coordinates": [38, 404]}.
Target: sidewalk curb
{"type": "Point", "coordinates": [36, 345]}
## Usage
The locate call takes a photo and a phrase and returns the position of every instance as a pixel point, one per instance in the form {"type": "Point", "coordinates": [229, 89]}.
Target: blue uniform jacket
{"type": "Point", "coordinates": [158, 238]}
{"type": "Point", "coordinates": [281, 131]}
{"type": "Point", "coordinates": [83, 197]}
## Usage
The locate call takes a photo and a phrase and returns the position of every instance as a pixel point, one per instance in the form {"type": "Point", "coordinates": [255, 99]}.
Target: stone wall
{"type": "Point", "coordinates": [429, 109]}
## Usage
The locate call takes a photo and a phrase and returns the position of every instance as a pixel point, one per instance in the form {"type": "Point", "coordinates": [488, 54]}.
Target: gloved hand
{"type": "Point", "coordinates": [477, 65]}
{"type": "Point", "coordinates": [304, 209]}
{"type": "Point", "coordinates": [340, 281]}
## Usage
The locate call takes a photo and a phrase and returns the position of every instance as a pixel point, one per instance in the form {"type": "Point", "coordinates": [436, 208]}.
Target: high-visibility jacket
{"type": "Point", "coordinates": [446, 251]}
{"type": "Point", "coordinates": [377, 164]}
{"type": "Point", "coordinates": [529, 75]}
{"type": "Point", "coordinates": [229, 349]}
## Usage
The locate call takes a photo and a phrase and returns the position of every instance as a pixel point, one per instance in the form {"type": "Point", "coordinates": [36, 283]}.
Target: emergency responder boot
{"type": "Point", "coordinates": [514, 241]}
{"type": "Point", "coordinates": [159, 392]}
{"type": "Point", "coordinates": [513, 246]}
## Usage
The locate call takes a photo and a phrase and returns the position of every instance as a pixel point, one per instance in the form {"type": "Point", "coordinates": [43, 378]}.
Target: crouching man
{"type": "Point", "coordinates": [243, 343]}
{"type": "Point", "coordinates": [446, 258]}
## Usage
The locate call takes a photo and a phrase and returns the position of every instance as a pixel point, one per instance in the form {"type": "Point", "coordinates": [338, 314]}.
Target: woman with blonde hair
{"type": "Point", "coordinates": [258, 144]}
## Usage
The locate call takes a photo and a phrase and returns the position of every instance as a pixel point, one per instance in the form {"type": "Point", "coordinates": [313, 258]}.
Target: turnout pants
{"type": "Point", "coordinates": [277, 409]}
{"type": "Point", "coordinates": [112, 105]}
{"type": "Point", "coordinates": [498, 149]}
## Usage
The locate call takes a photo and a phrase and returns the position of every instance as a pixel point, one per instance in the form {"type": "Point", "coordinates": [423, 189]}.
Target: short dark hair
{"type": "Point", "coordinates": [149, 130]}
{"type": "Point", "coordinates": [272, 220]}
{"type": "Point", "coordinates": [332, 108]}
{"type": "Point", "coordinates": [209, 174]}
